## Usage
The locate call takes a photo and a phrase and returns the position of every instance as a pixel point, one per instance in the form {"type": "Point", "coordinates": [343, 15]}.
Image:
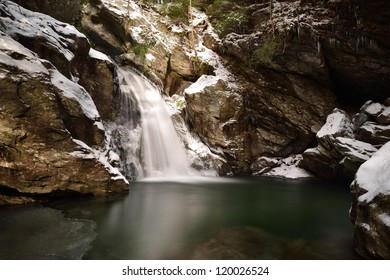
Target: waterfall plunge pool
{"type": "Point", "coordinates": [256, 218]}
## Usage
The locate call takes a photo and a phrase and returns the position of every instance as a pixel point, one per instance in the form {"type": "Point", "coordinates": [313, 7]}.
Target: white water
{"type": "Point", "coordinates": [154, 140]}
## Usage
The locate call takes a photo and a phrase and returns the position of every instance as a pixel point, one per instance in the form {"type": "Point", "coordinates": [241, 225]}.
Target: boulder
{"type": "Point", "coordinates": [370, 211]}
{"type": "Point", "coordinates": [353, 153]}
{"type": "Point", "coordinates": [316, 161]}
{"type": "Point", "coordinates": [338, 154]}
{"type": "Point", "coordinates": [338, 124]}
{"type": "Point", "coordinates": [52, 139]}
{"type": "Point", "coordinates": [374, 133]}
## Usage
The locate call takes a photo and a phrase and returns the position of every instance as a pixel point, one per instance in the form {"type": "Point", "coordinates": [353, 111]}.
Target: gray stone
{"type": "Point", "coordinates": [374, 133]}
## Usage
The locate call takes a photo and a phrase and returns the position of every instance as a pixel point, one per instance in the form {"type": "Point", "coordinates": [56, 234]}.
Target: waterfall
{"type": "Point", "coordinates": [152, 146]}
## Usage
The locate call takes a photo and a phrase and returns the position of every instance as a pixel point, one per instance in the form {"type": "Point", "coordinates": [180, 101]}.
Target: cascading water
{"type": "Point", "coordinates": [153, 148]}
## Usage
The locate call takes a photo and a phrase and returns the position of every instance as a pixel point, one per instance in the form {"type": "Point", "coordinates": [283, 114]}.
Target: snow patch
{"type": "Point", "coordinates": [24, 23]}
{"type": "Point", "coordinates": [355, 148]}
{"type": "Point", "coordinates": [76, 92]}
{"type": "Point", "coordinates": [365, 226]}
{"type": "Point", "coordinates": [374, 174]}
{"type": "Point", "coordinates": [98, 55]}
{"type": "Point", "coordinates": [337, 121]}
{"type": "Point", "coordinates": [289, 172]}
{"type": "Point", "coordinates": [288, 168]}
{"type": "Point", "coordinates": [373, 109]}
{"type": "Point", "coordinates": [103, 156]}
{"type": "Point", "coordinates": [203, 82]}
{"type": "Point", "coordinates": [24, 60]}
{"type": "Point", "coordinates": [150, 57]}
{"type": "Point", "coordinates": [385, 219]}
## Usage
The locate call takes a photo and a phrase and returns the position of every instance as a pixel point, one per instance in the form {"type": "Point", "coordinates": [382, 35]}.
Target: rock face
{"type": "Point", "coordinates": [343, 42]}
{"type": "Point", "coordinates": [52, 138]}
{"type": "Point", "coordinates": [243, 116]}
{"type": "Point", "coordinates": [370, 211]}
{"type": "Point", "coordinates": [67, 11]}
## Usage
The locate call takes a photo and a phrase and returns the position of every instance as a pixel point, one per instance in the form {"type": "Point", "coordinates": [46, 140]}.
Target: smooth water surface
{"type": "Point", "coordinates": [254, 218]}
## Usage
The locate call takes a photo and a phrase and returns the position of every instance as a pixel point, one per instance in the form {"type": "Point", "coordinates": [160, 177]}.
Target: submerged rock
{"type": "Point", "coordinates": [49, 234]}
{"type": "Point", "coordinates": [253, 244]}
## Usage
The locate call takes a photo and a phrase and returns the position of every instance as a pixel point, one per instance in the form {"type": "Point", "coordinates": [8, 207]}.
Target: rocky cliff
{"type": "Point", "coordinates": [52, 137]}
{"type": "Point", "coordinates": [250, 80]}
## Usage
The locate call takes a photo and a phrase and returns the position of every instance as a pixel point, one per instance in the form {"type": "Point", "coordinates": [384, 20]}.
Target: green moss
{"type": "Point", "coordinates": [227, 17]}
{"type": "Point", "coordinates": [141, 50]}
{"type": "Point", "coordinates": [180, 104]}
{"type": "Point", "coordinates": [201, 67]}
{"type": "Point", "coordinates": [178, 12]}
{"type": "Point", "coordinates": [267, 51]}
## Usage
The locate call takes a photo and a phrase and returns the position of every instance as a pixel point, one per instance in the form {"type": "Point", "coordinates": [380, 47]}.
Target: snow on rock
{"type": "Point", "coordinates": [207, 55]}
{"type": "Point", "coordinates": [145, 27]}
{"type": "Point", "coordinates": [374, 174]}
{"type": "Point", "coordinates": [104, 156]}
{"type": "Point", "coordinates": [354, 149]}
{"type": "Point", "coordinates": [98, 55]}
{"type": "Point", "coordinates": [22, 23]}
{"type": "Point", "coordinates": [203, 82]}
{"type": "Point", "coordinates": [337, 124]}
{"type": "Point", "coordinates": [75, 92]}
{"type": "Point", "coordinates": [13, 54]}
{"type": "Point", "coordinates": [385, 218]}
{"type": "Point", "coordinates": [288, 168]}
{"type": "Point", "coordinates": [371, 108]}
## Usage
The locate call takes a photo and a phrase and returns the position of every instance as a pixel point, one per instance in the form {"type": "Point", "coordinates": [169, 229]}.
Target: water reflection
{"type": "Point", "coordinates": [167, 220]}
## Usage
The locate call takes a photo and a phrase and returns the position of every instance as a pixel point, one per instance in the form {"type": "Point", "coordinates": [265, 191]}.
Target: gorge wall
{"type": "Point", "coordinates": [249, 83]}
